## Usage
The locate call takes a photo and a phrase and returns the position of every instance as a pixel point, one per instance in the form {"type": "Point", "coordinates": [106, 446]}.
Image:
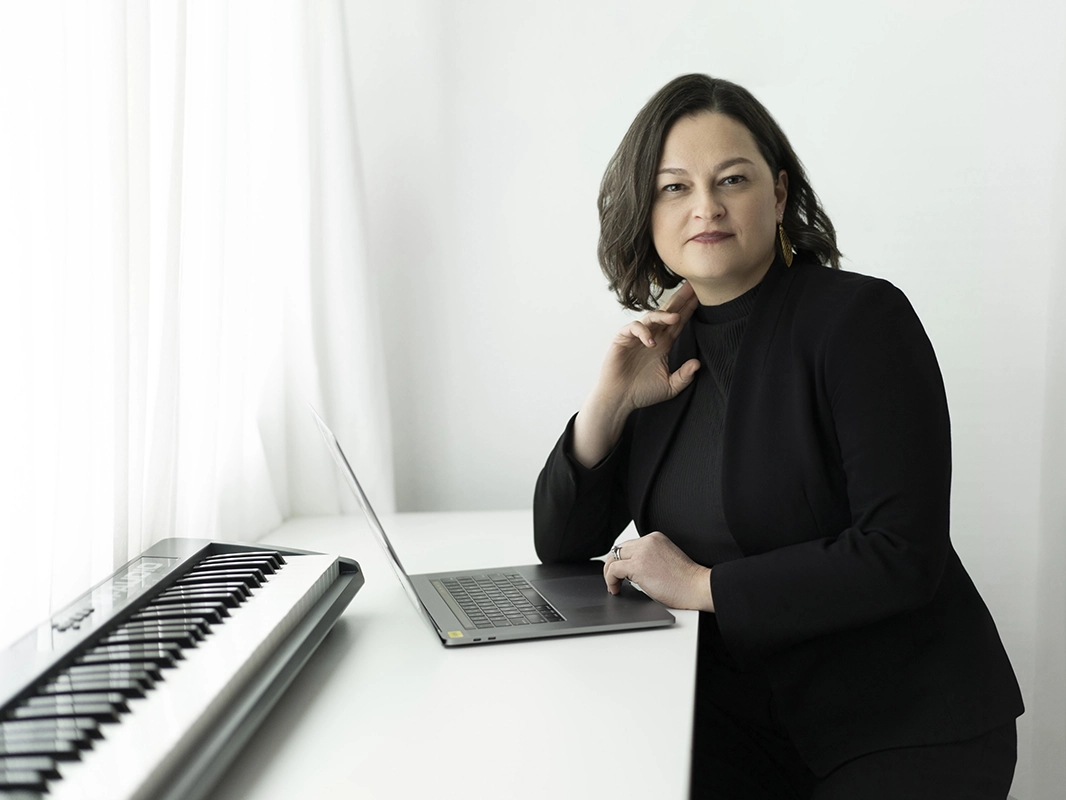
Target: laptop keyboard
{"type": "Point", "coordinates": [500, 600]}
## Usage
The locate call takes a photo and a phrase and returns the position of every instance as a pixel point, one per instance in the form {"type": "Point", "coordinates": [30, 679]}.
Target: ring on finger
{"type": "Point", "coordinates": [616, 551]}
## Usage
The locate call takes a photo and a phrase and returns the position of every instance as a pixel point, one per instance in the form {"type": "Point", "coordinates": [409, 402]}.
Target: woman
{"type": "Point", "coordinates": [779, 432]}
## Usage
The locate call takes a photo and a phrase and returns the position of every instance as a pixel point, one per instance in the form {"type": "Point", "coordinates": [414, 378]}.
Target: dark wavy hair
{"type": "Point", "coordinates": [627, 255]}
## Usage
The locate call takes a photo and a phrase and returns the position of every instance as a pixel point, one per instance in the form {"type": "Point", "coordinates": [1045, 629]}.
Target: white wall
{"type": "Point", "coordinates": [1048, 709]}
{"type": "Point", "coordinates": [931, 130]}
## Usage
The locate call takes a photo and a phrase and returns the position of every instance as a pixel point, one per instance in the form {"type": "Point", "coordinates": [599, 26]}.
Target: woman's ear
{"type": "Point", "coordinates": [781, 192]}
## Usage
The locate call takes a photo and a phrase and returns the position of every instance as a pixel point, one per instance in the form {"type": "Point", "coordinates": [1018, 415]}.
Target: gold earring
{"type": "Point", "coordinates": [786, 245]}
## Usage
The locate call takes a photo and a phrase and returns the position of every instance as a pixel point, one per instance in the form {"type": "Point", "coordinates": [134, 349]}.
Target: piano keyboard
{"type": "Point", "coordinates": [148, 685]}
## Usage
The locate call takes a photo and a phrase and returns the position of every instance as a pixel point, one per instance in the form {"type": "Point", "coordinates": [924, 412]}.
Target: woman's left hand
{"type": "Point", "coordinates": [662, 572]}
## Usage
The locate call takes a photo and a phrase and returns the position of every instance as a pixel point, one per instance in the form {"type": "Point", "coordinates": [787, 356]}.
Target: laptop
{"type": "Point", "coordinates": [505, 604]}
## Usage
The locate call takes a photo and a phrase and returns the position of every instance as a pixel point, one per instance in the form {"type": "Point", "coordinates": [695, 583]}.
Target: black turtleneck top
{"type": "Point", "coordinates": [686, 504]}
{"type": "Point", "coordinates": [686, 500]}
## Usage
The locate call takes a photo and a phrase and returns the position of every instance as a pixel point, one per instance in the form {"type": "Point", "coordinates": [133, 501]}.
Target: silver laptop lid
{"type": "Point", "coordinates": [375, 525]}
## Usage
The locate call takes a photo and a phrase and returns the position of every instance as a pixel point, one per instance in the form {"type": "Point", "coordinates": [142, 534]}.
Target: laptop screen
{"type": "Point", "coordinates": [375, 525]}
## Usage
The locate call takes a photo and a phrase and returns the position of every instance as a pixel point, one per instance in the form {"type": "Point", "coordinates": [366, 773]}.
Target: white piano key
{"type": "Point", "coordinates": [138, 752]}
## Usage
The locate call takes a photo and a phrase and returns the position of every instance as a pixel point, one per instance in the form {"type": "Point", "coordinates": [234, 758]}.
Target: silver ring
{"type": "Point", "coordinates": [616, 551]}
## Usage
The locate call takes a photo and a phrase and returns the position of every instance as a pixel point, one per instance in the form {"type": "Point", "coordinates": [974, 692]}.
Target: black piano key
{"type": "Point", "coordinates": [27, 780]}
{"type": "Point", "coordinates": [212, 612]}
{"type": "Point", "coordinates": [59, 749]}
{"type": "Point", "coordinates": [61, 701]}
{"type": "Point", "coordinates": [101, 711]}
{"type": "Point", "coordinates": [48, 767]}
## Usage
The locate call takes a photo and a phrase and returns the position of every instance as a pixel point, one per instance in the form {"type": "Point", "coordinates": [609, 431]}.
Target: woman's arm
{"type": "Point", "coordinates": [579, 506]}
{"type": "Point", "coordinates": [578, 512]}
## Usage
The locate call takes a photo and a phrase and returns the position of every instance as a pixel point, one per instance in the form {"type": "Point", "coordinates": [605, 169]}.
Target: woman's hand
{"type": "Point", "coordinates": [635, 374]}
{"type": "Point", "coordinates": [635, 371]}
{"type": "Point", "coordinates": [662, 572]}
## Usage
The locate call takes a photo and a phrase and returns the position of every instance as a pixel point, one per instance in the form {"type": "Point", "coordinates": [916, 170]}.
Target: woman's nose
{"type": "Point", "coordinates": [707, 205]}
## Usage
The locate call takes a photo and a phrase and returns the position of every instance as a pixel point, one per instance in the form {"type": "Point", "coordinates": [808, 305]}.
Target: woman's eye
{"type": "Point", "coordinates": [673, 187]}
{"type": "Point", "coordinates": [733, 180]}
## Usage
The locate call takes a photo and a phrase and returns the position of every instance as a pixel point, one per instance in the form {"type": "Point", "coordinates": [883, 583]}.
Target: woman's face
{"type": "Point", "coordinates": [716, 208]}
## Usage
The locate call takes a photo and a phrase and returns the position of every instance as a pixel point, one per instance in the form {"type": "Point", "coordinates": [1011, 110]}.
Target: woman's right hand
{"type": "Point", "coordinates": [635, 373]}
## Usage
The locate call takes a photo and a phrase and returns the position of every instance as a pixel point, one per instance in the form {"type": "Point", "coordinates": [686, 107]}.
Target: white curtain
{"type": "Point", "coordinates": [182, 270]}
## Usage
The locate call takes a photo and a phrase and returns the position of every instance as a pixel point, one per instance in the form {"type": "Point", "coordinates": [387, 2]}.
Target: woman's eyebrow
{"type": "Point", "coordinates": [729, 162]}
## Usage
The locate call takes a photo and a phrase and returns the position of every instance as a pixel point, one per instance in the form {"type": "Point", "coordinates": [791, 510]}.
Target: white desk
{"type": "Point", "coordinates": [382, 710]}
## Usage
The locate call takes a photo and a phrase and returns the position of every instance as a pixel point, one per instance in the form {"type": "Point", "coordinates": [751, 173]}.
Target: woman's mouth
{"type": "Point", "coordinates": [711, 237]}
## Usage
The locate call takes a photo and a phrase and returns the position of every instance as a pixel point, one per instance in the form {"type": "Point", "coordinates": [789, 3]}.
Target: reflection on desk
{"type": "Point", "coordinates": [382, 710]}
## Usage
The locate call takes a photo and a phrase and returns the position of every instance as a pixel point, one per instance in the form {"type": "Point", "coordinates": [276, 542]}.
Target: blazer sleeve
{"type": "Point", "coordinates": [578, 512]}
{"type": "Point", "coordinates": [889, 415]}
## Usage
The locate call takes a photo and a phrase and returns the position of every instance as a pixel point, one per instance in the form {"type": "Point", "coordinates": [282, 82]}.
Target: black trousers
{"type": "Point", "coordinates": [732, 761]}
{"type": "Point", "coordinates": [740, 752]}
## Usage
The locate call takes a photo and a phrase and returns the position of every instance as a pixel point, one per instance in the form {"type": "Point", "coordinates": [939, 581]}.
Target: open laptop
{"type": "Point", "coordinates": [508, 603]}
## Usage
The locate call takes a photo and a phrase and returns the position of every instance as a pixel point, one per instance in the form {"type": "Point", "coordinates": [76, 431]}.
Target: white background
{"type": "Point", "coordinates": [933, 132]}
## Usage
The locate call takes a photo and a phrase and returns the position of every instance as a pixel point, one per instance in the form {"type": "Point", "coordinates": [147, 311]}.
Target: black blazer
{"type": "Point", "coordinates": [836, 486]}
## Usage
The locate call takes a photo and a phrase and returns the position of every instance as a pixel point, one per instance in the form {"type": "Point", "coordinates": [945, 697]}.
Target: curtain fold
{"type": "Point", "coordinates": [354, 394]}
{"type": "Point", "coordinates": [183, 271]}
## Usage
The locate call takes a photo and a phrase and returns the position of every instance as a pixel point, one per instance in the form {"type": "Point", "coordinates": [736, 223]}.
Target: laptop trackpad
{"type": "Point", "coordinates": [576, 592]}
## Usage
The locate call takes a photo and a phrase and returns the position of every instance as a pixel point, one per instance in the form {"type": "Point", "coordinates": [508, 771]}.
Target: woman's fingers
{"type": "Point", "coordinates": [615, 570]}
{"type": "Point", "coordinates": [654, 323]}
{"type": "Point", "coordinates": [683, 375]}
{"type": "Point", "coordinates": [635, 372]}
{"type": "Point", "coordinates": [663, 571]}
{"type": "Point", "coordinates": [683, 299]}
{"type": "Point", "coordinates": [638, 330]}
{"type": "Point", "coordinates": [650, 326]}
{"type": "Point", "coordinates": [660, 317]}
{"type": "Point", "coordinates": [614, 573]}
{"type": "Point", "coordinates": [669, 319]}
